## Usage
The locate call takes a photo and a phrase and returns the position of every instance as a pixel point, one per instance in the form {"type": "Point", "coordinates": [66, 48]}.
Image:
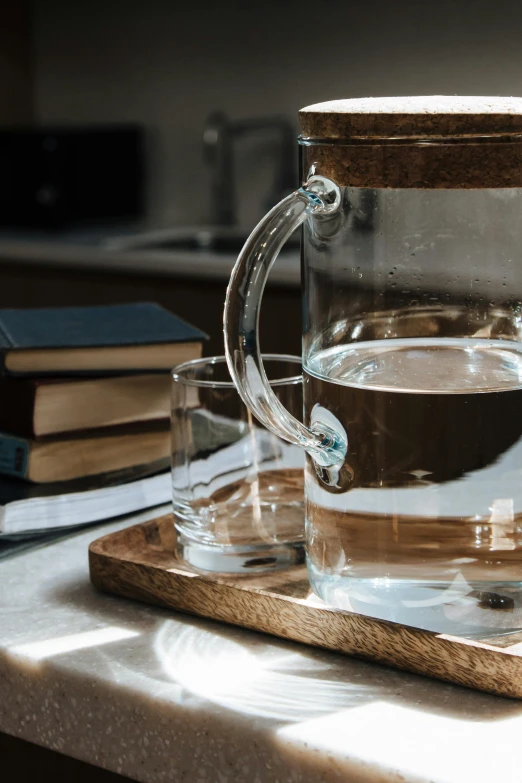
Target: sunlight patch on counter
{"type": "Point", "coordinates": [392, 738]}
{"type": "Point", "coordinates": [47, 648]}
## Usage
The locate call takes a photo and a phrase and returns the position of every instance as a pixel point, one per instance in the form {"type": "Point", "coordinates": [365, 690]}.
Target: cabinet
{"type": "Point", "coordinates": [198, 300]}
{"type": "Point", "coordinates": [24, 762]}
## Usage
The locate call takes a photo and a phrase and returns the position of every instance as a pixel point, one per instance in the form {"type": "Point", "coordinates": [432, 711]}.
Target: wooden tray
{"type": "Point", "coordinates": [140, 563]}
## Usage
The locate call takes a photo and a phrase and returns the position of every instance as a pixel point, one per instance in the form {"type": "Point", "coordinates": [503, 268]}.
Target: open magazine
{"type": "Point", "coordinates": [22, 516]}
{"type": "Point", "coordinates": [29, 510]}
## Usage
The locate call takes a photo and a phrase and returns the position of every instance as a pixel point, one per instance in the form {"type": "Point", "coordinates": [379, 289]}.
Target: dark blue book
{"type": "Point", "coordinates": [95, 340]}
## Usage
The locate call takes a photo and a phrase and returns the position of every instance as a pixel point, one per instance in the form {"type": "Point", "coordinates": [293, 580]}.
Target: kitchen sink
{"type": "Point", "coordinates": [201, 241]}
{"type": "Point", "coordinates": [214, 239]}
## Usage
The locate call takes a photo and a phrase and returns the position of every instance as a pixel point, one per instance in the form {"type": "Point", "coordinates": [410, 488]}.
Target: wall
{"type": "Point", "coordinates": [168, 64]}
{"type": "Point", "coordinates": [16, 63]}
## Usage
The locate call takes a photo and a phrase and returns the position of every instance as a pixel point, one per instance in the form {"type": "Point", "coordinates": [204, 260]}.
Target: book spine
{"type": "Point", "coordinates": [14, 456]}
{"type": "Point", "coordinates": [6, 343]}
{"type": "Point", "coordinates": [6, 340]}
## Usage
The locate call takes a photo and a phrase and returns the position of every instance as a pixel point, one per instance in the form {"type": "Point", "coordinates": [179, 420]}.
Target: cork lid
{"type": "Point", "coordinates": [413, 117]}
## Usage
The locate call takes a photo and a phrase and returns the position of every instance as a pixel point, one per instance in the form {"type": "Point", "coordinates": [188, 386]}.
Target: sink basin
{"type": "Point", "coordinates": [200, 241]}
{"type": "Point", "coordinates": [213, 239]}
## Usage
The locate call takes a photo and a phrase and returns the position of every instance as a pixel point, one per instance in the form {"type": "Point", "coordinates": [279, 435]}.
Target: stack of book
{"type": "Point", "coordinates": [85, 412]}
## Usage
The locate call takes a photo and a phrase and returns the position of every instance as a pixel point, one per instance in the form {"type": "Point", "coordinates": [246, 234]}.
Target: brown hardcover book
{"type": "Point", "coordinates": [33, 407]}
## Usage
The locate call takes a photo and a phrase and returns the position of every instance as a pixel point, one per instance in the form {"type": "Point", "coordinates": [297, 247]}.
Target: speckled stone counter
{"type": "Point", "coordinates": [157, 696]}
{"type": "Point", "coordinates": [68, 254]}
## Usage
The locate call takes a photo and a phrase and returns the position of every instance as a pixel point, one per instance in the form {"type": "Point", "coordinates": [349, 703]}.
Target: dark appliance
{"type": "Point", "coordinates": [58, 177]}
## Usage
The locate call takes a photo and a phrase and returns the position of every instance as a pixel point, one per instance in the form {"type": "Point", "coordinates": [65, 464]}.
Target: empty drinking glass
{"type": "Point", "coordinates": [237, 488]}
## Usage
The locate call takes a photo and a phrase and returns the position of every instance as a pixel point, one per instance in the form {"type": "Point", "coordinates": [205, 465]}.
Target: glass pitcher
{"type": "Point", "coordinates": [411, 211]}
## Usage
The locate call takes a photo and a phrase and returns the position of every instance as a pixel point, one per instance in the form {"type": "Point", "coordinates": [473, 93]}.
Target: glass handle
{"type": "Point", "coordinates": [326, 445]}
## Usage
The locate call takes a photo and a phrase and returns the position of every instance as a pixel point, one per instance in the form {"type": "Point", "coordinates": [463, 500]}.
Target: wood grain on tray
{"type": "Point", "coordinates": [140, 563]}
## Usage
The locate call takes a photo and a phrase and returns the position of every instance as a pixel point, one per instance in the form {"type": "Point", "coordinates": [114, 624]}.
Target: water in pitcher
{"type": "Point", "coordinates": [425, 524]}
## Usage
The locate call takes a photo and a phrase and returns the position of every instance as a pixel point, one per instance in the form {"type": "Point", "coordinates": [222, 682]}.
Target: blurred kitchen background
{"type": "Point", "coordinates": [129, 131]}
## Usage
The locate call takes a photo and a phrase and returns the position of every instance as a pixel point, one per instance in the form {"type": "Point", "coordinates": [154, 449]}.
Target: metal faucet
{"type": "Point", "coordinates": [218, 140]}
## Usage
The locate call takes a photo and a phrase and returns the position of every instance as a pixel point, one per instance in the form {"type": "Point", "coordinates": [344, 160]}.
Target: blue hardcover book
{"type": "Point", "coordinates": [103, 339]}
{"type": "Point", "coordinates": [80, 455]}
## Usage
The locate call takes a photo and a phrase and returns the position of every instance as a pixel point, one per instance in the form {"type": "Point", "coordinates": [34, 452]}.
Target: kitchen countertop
{"type": "Point", "coordinates": [98, 250]}
{"type": "Point", "coordinates": [158, 696]}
